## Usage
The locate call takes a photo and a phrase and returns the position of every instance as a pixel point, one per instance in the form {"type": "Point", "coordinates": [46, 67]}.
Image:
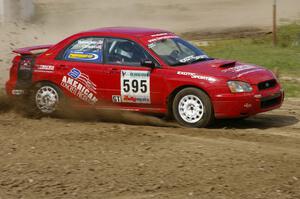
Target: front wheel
{"type": "Point", "coordinates": [192, 108]}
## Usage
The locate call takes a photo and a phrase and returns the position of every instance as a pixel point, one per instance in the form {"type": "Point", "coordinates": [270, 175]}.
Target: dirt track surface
{"type": "Point", "coordinates": [67, 158]}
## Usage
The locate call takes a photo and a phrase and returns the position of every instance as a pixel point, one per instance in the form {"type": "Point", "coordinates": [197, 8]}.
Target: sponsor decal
{"type": "Point", "coordinates": [196, 76]}
{"type": "Point", "coordinates": [135, 86]}
{"type": "Point", "coordinates": [258, 96]}
{"type": "Point", "coordinates": [161, 38]}
{"type": "Point", "coordinates": [160, 34]}
{"type": "Point", "coordinates": [192, 57]}
{"type": "Point", "coordinates": [80, 85]}
{"type": "Point", "coordinates": [247, 105]}
{"type": "Point", "coordinates": [88, 50]}
{"type": "Point", "coordinates": [44, 68]}
{"type": "Point", "coordinates": [152, 45]}
{"type": "Point", "coordinates": [142, 100]}
{"type": "Point", "coordinates": [116, 99]}
{"type": "Point", "coordinates": [83, 78]}
{"type": "Point", "coordinates": [251, 71]}
{"type": "Point", "coordinates": [90, 44]}
{"type": "Point", "coordinates": [83, 56]}
{"type": "Point", "coordinates": [129, 99]}
{"type": "Point", "coordinates": [239, 68]}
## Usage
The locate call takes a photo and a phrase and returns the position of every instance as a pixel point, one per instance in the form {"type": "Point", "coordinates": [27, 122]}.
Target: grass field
{"type": "Point", "coordinates": [283, 58]}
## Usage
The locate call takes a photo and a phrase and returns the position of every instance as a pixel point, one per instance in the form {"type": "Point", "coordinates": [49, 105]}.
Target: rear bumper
{"type": "Point", "coordinates": [12, 90]}
{"type": "Point", "coordinates": [247, 104]}
{"type": "Point", "coordinates": [9, 87]}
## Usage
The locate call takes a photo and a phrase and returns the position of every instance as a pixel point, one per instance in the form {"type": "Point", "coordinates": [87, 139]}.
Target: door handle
{"type": "Point", "coordinates": [114, 70]}
{"type": "Point", "coordinates": [111, 71]}
{"type": "Point", "coordinates": [62, 67]}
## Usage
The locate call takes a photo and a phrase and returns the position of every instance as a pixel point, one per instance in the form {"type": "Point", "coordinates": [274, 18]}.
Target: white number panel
{"type": "Point", "coordinates": [135, 86]}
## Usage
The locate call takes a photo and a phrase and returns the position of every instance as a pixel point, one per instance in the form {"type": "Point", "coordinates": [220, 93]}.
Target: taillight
{"type": "Point", "coordinates": [25, 64]}
{"type": "Point", "coordinates": [25, 68]}
{"type": "Point", "coordinates": [21, 71]}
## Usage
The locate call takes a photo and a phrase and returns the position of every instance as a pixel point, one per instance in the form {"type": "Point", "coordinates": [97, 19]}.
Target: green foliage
{"type": "Point", "coordinates": [285, 57]}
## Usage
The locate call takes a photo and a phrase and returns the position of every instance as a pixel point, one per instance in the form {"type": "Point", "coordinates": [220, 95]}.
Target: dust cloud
{"type": "Point", "coordinates": [24, 107]}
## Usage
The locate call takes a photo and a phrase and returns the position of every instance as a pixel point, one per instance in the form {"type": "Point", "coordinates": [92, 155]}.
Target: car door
{"type": "Point", "coordinates": [130, 84]}
{"type": "Point", "coordinates": [80, 65]}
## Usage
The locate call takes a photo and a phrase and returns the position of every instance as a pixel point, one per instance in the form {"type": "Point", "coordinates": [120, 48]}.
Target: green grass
{"type": "Point", "coordinates": [291, 88]}
{"type": "Point", "coordinates": [284, 58]}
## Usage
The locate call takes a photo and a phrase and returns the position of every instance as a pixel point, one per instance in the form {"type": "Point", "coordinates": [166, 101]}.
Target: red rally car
{"type": "Point", "coordinates": [142, 70]}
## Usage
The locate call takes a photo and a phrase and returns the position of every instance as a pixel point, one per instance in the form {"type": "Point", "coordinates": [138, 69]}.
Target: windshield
{"type": "Point", "coordinates": [176, 52]}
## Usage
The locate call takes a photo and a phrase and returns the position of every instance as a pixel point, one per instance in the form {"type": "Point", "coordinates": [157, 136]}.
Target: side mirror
{"type": "Point", "coordinates": [148, 63]}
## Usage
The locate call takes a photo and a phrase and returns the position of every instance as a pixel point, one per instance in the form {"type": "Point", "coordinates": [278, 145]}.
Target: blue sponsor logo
{"type": "Point", "coordinates": [86, 56]}
{"type": "Point", "coordinates": [74, 73]}
{"type": "Point", "coordinates": [83, 79]}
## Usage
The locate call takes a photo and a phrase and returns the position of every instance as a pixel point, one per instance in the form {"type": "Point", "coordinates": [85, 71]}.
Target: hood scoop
{"type": "Point", "coordinates": [228, 64]}
{"type": "Point", "coordinates": [224, 64]}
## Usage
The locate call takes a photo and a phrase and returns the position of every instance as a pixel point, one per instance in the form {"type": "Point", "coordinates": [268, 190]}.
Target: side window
{"type": "Point", "coordinates": [125, 52]}
{"type": "Point", "coordinates": [85, 50]}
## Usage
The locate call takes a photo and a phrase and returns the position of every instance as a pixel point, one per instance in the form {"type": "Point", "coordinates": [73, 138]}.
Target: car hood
{"type": "Point", "coordinates": [230, 70]}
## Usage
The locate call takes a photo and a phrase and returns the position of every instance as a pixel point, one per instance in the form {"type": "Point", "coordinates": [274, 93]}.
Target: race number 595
{"type": "Point", "coordinates": [135, 86]}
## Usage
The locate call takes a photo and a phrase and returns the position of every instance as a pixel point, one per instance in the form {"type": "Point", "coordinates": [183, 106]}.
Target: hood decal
{"type": "Point", "coordinates": [197, 76]}
{"type": "Point", "coordinates": [250, 71]}
{"type": "Point", "coordinates": [239, 68]}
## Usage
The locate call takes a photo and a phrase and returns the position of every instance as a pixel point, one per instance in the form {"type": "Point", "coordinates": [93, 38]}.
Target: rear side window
{"type": "Point", "coordinates": [85, 50]}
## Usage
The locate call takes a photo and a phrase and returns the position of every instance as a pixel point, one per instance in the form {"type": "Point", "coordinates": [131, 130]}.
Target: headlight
{"type": "Point", "coordinates": [239, 87]}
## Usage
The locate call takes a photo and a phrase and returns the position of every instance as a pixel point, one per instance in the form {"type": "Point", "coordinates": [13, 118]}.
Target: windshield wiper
{"type": "Point", "coordinates": [192, 62]}
{"type": "Point", "coordinates": [200, 60]}
{"type": "Point", "coordinates": [180, 64]}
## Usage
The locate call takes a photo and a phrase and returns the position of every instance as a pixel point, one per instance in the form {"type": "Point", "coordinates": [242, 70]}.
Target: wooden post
{"type": "Point", "coordinates": [275, 23]}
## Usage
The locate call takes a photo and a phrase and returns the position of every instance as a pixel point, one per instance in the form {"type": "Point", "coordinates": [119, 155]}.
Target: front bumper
{"type": "Point", "coordinates": [235, 105]}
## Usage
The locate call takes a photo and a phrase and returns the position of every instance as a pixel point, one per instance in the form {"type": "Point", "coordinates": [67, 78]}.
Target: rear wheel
{"type": "Point", "coordinates": [192, 108]}
{"type": "Point", "coordinates": [46, 98]}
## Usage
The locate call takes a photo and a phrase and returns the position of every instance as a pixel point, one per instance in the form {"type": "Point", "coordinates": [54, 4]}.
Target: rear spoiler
{"type": "Point", "coordinates": [28, 50]}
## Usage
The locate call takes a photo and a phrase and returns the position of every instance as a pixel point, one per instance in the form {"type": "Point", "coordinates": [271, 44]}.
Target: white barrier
{"type": "Point", "coordinates": [12, 10]}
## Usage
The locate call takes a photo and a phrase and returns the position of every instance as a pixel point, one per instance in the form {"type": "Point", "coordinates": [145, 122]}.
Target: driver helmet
{"type": "Point", "coordinates": [125, 49]}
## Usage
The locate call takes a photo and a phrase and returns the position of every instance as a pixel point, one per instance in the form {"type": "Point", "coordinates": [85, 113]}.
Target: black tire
{"type": "Point", "coordinates": [191, 100]}
{"type": "Point", "coordinates": [36, 109]}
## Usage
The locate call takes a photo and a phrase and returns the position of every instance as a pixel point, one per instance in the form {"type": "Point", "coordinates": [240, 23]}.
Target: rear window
{"type": "Point", "coordinates": [85, 50]}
